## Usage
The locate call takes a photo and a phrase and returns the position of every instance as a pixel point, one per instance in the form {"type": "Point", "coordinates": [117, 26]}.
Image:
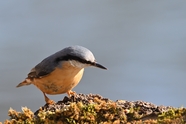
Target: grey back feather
{"type": "Point", "coordinates": [49, 64]}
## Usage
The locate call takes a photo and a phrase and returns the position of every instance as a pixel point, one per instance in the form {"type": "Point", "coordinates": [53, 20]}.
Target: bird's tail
{"type": "Point", "coordinates": [24, 83]}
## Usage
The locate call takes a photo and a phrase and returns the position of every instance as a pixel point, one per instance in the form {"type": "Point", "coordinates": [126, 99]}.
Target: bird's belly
{"type": "Point", "coordinates": [59, 81]}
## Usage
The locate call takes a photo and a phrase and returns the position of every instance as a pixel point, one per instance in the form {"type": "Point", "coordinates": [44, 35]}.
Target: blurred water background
{"type": "Point", "coordinates": [142, 43]}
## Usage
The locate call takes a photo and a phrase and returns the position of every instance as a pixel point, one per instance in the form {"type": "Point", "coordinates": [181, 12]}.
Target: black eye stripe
{"type": "Point", "coordinates": [70, 57]}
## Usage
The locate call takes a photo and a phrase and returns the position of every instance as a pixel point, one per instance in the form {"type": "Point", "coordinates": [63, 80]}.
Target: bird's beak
{"type": "Point", "coordinates": [99, 66]}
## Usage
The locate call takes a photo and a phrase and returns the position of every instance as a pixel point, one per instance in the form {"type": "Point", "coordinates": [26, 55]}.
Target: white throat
{"type": "Point", "coordinates": [78, 64]}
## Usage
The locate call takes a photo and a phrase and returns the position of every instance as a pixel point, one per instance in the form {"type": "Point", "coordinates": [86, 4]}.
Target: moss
{"type": "Point", "coordinates": [177, 116]}
{"type": "Point", "coordinates": [92, 109]}
{"type": "Point", "coordinates": [26, 116]}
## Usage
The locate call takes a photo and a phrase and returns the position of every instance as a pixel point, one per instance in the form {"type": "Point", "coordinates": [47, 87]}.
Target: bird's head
{"type": "Point", "coordinates": [79, 56]}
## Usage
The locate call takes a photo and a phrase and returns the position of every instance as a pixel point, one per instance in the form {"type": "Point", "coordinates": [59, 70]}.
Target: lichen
{"type": "Point", "coordinates": [94, 109]}
{"type": "Point", "coordinates": [177, 116]}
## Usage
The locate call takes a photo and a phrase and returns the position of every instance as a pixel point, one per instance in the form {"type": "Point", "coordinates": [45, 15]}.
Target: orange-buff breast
{"type": "Point", "coordinates": [61, 80]}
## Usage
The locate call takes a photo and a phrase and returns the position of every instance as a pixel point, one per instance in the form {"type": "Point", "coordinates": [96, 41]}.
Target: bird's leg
{"type": "Point", "coordinates": [47, 100]}
{"type": "Point", "coordinates": [71, 93]}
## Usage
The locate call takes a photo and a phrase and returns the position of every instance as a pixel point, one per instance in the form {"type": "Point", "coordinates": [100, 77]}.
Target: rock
{"type": "Point", "coordinates": [93, 109]}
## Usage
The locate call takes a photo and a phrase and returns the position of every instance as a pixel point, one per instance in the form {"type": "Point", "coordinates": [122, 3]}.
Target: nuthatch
{"type": "Point", "coordinates": [61, 72]}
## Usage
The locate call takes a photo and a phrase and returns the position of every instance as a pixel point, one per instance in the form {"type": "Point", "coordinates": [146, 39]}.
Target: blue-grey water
{"type": "Point", "coordinates": [142, 43]}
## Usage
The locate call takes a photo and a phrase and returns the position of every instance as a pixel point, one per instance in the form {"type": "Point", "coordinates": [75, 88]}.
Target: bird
{"type": "Point", "coordinates": [60, 72]}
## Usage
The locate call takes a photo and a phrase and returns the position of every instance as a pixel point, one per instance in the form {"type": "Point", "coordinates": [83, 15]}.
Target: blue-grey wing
{"type": "Point", "coordinates": [43, 68]}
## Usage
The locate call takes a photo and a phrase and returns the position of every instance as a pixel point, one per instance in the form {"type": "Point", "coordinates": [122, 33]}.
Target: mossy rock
{"type": "Point", "coordinates": [94, 109]}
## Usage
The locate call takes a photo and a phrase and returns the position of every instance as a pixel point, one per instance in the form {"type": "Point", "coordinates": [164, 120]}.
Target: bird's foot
{"type": "Point", "coordinates": [71, 93]}
{"type": "Point", "coordinates": [47, 100]}
{"type": "Point", "coordinates": [50, 102]}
